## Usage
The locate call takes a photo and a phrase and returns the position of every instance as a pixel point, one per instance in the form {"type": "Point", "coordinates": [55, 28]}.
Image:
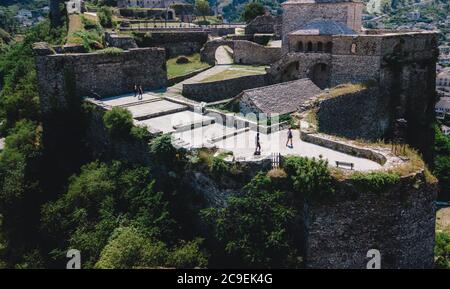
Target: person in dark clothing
{"type": "Point", "coordinates": [289, 138]}
{"type": "Point", "coordinates": [258, 145]}
{"type": "Point", "coordinates": [136, 90]}
{"type": "Point", "coordinates": [141, 92]}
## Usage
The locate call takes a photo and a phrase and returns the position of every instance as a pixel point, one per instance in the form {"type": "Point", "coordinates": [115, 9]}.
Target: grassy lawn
{"type": "Point", "coordinates": [75, 24]}
{"type": "Point", "coordinates": [174, 69]}
{"type": "Point", "coordinates": [443, 220]}
{"type": "Point", "coordinates": [236, 71]}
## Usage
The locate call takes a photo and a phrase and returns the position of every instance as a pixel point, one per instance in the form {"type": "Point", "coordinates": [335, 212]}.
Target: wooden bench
{"type": "Point", "coordinates": [344, 164]}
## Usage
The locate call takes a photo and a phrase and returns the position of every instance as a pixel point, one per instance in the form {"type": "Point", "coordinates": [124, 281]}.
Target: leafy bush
{"type": "Point", "coordinates": [104, 15]}
{"type": "Point", "coordinates": [111, 51]}
{"type": "Point", "coordinates": [118, 121]}
{"type": "Point", "coordinates": [442, 251]}
{"type": "Point", "coordinates": [255, 230]}
{"type": "Point", "coordinates": [188, 255]}
{"type": "Point", "coordinates": [127, 248]}
{"type": "Point", "coordinates": [163, 150]}
{"type": "Point", "coordinates": [375, 182]}
{"type": "Point", "coordinates": [140, 133]}
{"type": "Point", "coordinates": [219, 167]}
{"type": "Point", "coordinates": [310, 177]}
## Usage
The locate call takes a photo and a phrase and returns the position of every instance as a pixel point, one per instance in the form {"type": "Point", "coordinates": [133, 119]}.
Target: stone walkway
{"type": "Point", "coordinates": [167, 111]}
{"type": "Point", "coordinates": [224, 55]}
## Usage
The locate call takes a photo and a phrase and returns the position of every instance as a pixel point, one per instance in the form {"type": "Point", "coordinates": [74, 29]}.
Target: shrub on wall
{"type": "Point", "coordinates": [375, 182]}
{"type": "Point", "coordinates": [118, 121]}
{"type": "Point", "coordinates": [310, 177]}
{"type": "Point", "coordinates": [163, 150]}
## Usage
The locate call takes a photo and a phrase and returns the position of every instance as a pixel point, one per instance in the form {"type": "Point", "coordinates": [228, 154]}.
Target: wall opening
{"type": "Point", "coordinates": [224, 55]}
{"type": "Point", "coordinates": [328, 46]}
{"type": "Point", "coordinates": [319, 46]}
{"type": "Point", "coordinates": [320, 75]}
{"type": "Point", "coordinates": [310, 47]}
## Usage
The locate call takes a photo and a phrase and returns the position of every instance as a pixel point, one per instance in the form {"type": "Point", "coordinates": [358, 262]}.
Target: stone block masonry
{"type": "Point", "coordinates": [64, 79]}
{"type": "Point", "coordinates": [222, 89]}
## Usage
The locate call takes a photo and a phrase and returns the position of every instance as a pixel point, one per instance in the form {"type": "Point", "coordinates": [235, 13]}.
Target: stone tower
{"type": "Point", "coordinates": [298, 14]}
{"type": "Point", "coordinates": [55, 13]}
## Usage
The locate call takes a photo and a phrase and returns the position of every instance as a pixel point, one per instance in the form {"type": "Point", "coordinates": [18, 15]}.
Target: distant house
{"type": "Point", "coordinates": [443, 80]}
{"type": "Point", "coordinates": [442, 107]}
{"type": "Point", "coordinates": [24, 13]}
{"type": "Point", "coordinates": [414, 15]}
{"type": "Point", "coordinates": [281, 98]}
{"type": "Point", "coordinates": [445, 129]}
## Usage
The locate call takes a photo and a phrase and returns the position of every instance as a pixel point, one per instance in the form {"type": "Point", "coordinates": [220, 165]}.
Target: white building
{"type": "Point", "coordinates": [445, 129]}
{"type": "Point", "coordinates": [414, 15]}
{"type": "Point", "coordinates": [146, 3]}
{"type": "Point", "coordinates": [24, 13]}
{"type": "Point", "coordinates": [442, 108]}
{"type": "Point", "coordinates": [443, 80]}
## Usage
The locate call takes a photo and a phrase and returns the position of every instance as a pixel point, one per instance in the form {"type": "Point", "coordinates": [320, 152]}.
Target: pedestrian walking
{"type": "Point", "coordinates": [136, 90]}
{"type": "Point", "coordinates": [289, 138]}
{"type": "Point", "coordinates": [258, 145]}
{"type": "Point", "coordinates": [141, 92]}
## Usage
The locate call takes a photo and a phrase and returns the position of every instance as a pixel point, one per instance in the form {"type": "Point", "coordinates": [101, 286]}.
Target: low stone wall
{"type": "Point", "coordinates": [364, 114]}
{"type": "Point", "coordinates": [221, 31]}
{"type": "Point", "coordinates": [121, 41]}
{"type": "Point", "coordinates": [174, 42]}
{"type": "Point", "coordinates": [175, 80]}
{"type": "Point", "coordinates": [223, 89]}
{"type": "Point", "coordinates": [246, 52]}
{"type": "Point", "coordinates": [343, 147]}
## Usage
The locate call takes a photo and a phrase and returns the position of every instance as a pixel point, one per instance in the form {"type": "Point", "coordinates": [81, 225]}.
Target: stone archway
{"type": "Point", "coordinates": [290, 72]}
{"type": "Point", "coordinates": [319, 73]}
{"type": "Point", "coordinates": [208, 52]}
{"type": "Point", "coordinates": [224, 55]}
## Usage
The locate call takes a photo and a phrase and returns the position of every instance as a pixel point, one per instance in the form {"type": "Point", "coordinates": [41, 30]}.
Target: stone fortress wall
{"type": "Point", "coordinates": [65, 76]}
{"type": "Point", "coordinates": [174, 42]}
{"type": "Point", "coordinates": [244, 52]}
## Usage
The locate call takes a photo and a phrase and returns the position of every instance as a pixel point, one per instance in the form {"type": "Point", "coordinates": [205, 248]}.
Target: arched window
{"type": "Point", "coordinates": [300, 46]}
{"type": "Point", "coordinates": [329, 46]}
{"type": "Point", "coordinates": [310, 46]}
{"type": "Point", "coordinates": [319, 46]}
{"type": "Point", "coordinates": [353, 48]}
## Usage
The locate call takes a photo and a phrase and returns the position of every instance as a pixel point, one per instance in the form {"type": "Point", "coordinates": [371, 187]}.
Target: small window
{"type": "Point", "coordinates": [310, 46]}
{"type": "Point", "coordinates": [319, 47]}
{"type": "Point", "coordinates": [300, 46]}
{"type": "Point", "coordinates": [329, 46]}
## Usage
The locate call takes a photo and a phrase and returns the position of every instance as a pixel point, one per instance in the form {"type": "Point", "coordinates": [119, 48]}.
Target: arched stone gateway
{"type": "Point", "coordinates": [315, 66]}
{"type": "Point", "coordinates": [320, 74]}
{"type": "Point", "coordinates": [224, 55]}
{"type": "Point", "coordinates": [208, 52]}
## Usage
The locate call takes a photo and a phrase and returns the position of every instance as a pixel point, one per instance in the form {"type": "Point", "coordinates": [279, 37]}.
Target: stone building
{"type": "Point", "coordinates": [287, 100]}
{"type": "Point", "coordinates": [323, 40]}
{"type": "Point", "coordinates": [146, 3]}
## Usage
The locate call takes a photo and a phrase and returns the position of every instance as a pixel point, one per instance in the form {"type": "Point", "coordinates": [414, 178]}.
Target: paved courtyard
{"type": "Point", "coordinates": [163, 111]}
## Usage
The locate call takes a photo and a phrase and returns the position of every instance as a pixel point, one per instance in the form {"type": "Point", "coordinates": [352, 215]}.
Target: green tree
{"type": "Point", "coordinates": [202, 7]}
{"type": "Point", "coordinates": [118, 121]}
{"type": "Point", "coordinates": [442, 251]}
{"type": "Point", "coordinates": [442, 160]}
{"type": "Point", "coordinates": [255, 229]}
{"type": "Point", "coordinates": [127, 248]}
{"type": "Point", "coordinates": [105, 18]}
{"type": "Point", "coordinates": [252, 10]}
